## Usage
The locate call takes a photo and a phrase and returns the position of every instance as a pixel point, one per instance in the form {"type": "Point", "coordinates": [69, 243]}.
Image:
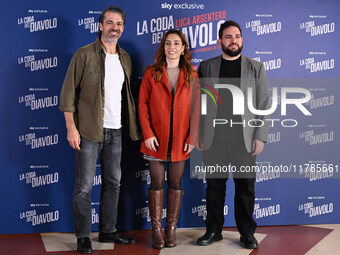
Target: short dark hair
{"type": "Point", "coordinates": [228, 23]}
{"type": "Point", "coordinates": [113, 9]}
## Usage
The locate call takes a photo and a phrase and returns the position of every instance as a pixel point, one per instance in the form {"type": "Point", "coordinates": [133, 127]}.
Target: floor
{"type": "Point", "coordinates": [277, 240]}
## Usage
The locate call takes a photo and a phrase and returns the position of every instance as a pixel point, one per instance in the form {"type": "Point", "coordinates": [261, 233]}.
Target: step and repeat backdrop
{"type": "Point", "coordinates": [296, 40]}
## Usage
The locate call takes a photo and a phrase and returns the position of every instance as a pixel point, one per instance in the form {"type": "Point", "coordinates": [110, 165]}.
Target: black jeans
{"type": "Point", "coordinates": [236, 155]}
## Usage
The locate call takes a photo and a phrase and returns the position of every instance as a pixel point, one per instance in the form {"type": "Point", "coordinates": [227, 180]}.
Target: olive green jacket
{"type": "Point", "coordinates": [83, 92]}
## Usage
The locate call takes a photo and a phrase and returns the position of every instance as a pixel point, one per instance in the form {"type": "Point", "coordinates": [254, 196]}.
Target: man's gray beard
{"type": "Point", "coordinates": [111, 40]}
{"type": "Point", "coordinates": [230, 52]}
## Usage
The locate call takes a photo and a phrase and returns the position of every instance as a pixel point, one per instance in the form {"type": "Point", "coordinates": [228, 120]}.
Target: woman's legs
{"type": "Point", "coordinates": [157, 173]}
{"type": "Point", "coordinates": [175, 174]}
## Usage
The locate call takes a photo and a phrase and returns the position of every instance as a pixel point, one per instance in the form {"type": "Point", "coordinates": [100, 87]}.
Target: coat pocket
{"type": "Point", "coordinates": [90, 77]}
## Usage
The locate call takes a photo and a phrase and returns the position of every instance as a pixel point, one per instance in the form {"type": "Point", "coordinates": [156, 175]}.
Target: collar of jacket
{"type": "Point", "coordinates": [121, 53]}
{"type": "Point", "coordinates": [99, 47]}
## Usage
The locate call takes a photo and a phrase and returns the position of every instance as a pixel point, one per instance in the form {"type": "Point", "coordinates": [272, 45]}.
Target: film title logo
{"type": "Point", "coordinates": [200, 30]}
{"type": "Point", "coordinates": [35, 142]}
{"type": "Point", "coordinates": [39, 219]}
{"type": "Point", "coordinates": [272, 64]}
{"type": "Point", "coordinates": [37, 181]}
{"type": "Point", "coordinates": [306, 207]}
{"type": "Point", "coordinates": [38, 103]}
{"type": "Point", "coordinates": [263, 29]}
{"type": "Point", "coordinates": [89, 23]}
{"type": "Point", "coordinates": [317, 66]}
{"type": "Point", "coordinates": [316, 30]}
{"type": "Point", "coordinates": [320, 102]}
{"type": "Point", "coordinates": [144, 175]}
{"type": "Point", "coordinates": [313, 139]}
{"type": "Point", "coordinates": [34, 25]}
{"type": "Point", "coordinates": [201, 211]}
{"type": "Point", "coordinates": [34, 64]}
{"type": "Point", "coordinates": [266, 211]}
{"type": "Point", "coordinates": [143, 212]}
{"type": "Point", "coordinates": [313, 211]}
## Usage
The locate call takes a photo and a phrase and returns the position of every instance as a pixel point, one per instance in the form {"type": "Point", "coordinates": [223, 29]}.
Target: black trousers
{"type": "Point", "coordinates": [223, 154]}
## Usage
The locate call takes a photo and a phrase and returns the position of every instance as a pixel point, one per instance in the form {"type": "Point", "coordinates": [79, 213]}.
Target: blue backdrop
{"type": "Point", "coordinates": [297, 41]}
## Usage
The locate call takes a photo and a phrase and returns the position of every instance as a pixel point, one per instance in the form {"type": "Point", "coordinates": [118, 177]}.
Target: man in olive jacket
{"type": "Point", "coordinates": [97, 102]}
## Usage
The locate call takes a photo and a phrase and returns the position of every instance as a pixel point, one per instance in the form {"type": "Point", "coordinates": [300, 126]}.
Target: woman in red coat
{"type": "Point", "coordinates": [164, 112]}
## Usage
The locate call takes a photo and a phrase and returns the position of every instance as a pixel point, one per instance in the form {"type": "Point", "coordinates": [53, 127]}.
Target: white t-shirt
{"type": "Point", "coordinates": [113, 83]}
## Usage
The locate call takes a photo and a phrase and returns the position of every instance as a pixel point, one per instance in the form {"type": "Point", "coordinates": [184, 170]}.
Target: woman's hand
{"type": "Point", "coordinates": [151, 143]}
{"type": "Point", "coordinates": [188, 148]}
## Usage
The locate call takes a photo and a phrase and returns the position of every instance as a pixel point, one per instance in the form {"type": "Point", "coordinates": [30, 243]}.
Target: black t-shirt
{"type": "Point", "coordinates": [230, 73]}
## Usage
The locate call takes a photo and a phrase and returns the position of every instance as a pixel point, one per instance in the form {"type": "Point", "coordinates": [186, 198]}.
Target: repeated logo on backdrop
{"type": "Point", "coordinates": [94, 213]}
{"type": "Point", "coordinates": [317, 62]}
{"type": "Point", "coordinates": [36, 217]}
{"type": "Point", "coordinates": [90, 22]}
{"type": "Point", "coordinates": [317, 134]}
{"type": "Point", "coordinates": [322, 98]}
{"type": "Point", "coordinates": [265, 211]}
{"type": "Point", "coordinates": [201, 210]}
{"type": "Point", "coordinates": [316, 207]}
{"type": "Point", "coordinates": [37, 138]}
{"type": "Point", "coordinates": [316, 25]}
{"type": "Point", "coordinates": [35, 21]}
{"type": "Point", "coordinates": [263, 24]}
{"type": "Point", "coordinates": [144, 175]}
{"type": "Point", "coordinates": [36, 62]}
{"type": "Point", "coordinates": [35, 101]}
{"type": "Point", "coordinates": [271, 63]}
{"type": "Point", "coordinates": [37, 176]}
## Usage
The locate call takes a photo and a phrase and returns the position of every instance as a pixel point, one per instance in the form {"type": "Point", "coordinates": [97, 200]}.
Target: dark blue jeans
{"type": "Point", "coordinates": [109, 151]}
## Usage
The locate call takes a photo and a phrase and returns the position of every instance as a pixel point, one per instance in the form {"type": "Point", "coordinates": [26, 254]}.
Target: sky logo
{"type": "Point", "coordinates": [166, 6]}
